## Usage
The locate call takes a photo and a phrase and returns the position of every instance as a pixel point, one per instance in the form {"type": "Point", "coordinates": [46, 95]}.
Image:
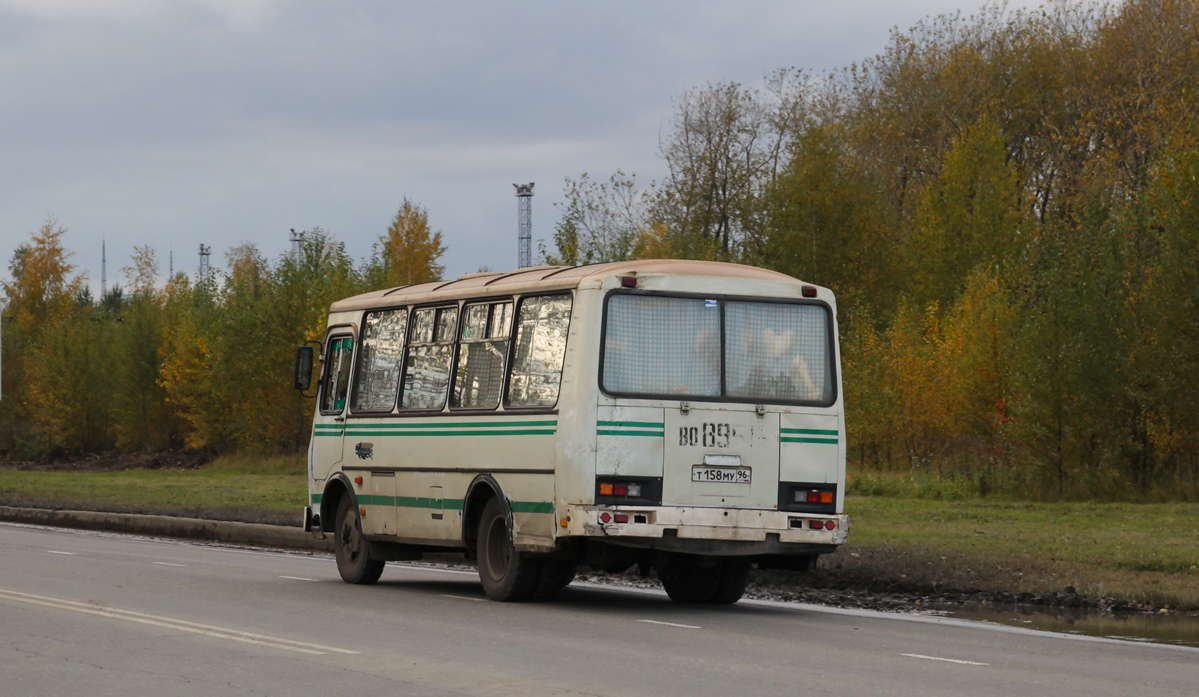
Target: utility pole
{"type": "Point", "coordinates": [524, 239]}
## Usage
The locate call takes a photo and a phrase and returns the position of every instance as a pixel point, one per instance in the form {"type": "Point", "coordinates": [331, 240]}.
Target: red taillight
{"type": "Point", "coordinates": [622, 517]}
{"type": "Point", "coordinates": [815, 524]}
{"type": "Point", "coordinates": [809, 292]}
{"type": "Point", "coordinates": [621, 489]}
{"type": "Point", "coordinates": [830, 524]}
{"type": "Point", "coordinates": [813, 497]}
{"type": "Point", "coordinates": [605, 517]}
{"type": "Point", "coordinates": [628, 281]}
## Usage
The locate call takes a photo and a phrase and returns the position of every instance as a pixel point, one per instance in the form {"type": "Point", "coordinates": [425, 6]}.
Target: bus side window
{"type": "Point", "coordinates": [481, 355]}
{"type": "Point", "coordinates": [337, 375]}
{"type": "Point", "coordinates": [541, 327]}
{"type": "Point", "coordinates": [378, 375]}
{"type": "Point", "coordinates": [430, 351]}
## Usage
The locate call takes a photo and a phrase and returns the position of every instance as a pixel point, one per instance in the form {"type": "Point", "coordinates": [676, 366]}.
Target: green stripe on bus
{"type": "Point", "coordinates": [531, 507]}
{"type": "Point", "coordinates": [493, 432]}
{"type": "Point", "coordinates": [632, 424]}
{"type": "Point", "coordinates": [316, 498]}
{"type": "Point", "coordinates": [452, 424]}
{"type": "Point", "coordinates": [812, 431]}
{"type": "Point", "coordinates": [654, 434]}
{"type": "Point", "coordinates": [829, 441]}
{"type": "Point", "coordinates": [446, 504]}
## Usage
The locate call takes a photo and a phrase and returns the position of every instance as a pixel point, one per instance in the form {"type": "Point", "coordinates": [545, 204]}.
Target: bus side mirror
{"type": "Point", "coordinates": [304, 363]}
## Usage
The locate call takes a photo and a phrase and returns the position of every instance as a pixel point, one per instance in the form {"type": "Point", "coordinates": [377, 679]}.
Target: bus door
{"type": "Point", "coordinates": [724, 457]}
{"type": "Point", "coordinates": [328, 428]}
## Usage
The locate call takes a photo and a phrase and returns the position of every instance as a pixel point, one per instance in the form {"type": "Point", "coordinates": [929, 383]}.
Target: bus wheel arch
{"type": "Point", "coordinates": [506, 574]}
{"type": "Point", "coordinates": [337, 488]}
{"type": "Point", "coordinates": [483, 489]}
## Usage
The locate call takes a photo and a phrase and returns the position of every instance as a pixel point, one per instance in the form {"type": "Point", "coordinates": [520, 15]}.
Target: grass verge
{"type": "Point", "coordinates": [239, 487]}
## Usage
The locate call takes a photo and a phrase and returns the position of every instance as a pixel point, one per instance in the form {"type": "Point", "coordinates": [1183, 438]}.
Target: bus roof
{"type": "Point", "coordinates": [551, 278]}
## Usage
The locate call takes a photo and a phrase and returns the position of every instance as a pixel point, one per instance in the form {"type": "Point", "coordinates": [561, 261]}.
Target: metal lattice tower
{"type": "Point", "coordinates": [103, 269]}
{"type": "Point", "coordinates": [524, 194]}
{"type": "Point", "coordinates": [205, 252]}
{"type": "Point", "coordinates": [297, 245]}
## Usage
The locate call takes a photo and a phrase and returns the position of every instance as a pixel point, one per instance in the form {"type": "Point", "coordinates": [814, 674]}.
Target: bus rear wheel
{"type": "Point", "coordinates": [506, 574]}
{"type": "Point", "coordinates": [687, 580]}
{"type": "Point", "coordinates": [734, 577]}
{"type": "Point", "coordinates": [555, 575]}
{"type": "Point", "coordinates": [351, 548]}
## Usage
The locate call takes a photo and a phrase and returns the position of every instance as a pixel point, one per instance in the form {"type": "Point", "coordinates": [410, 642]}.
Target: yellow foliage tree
{"type": "Point", "coordinates": [409, 251]}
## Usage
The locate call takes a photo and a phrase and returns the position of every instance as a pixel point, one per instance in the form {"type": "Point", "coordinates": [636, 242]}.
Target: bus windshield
{"type": "Point", "coordinates": [718, 349]}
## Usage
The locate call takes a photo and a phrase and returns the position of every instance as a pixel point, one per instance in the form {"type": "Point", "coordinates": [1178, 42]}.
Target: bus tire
{"type": "Point", "coordinates": [555, 575]}
{"type": "Point", "coordinates": [506, 574]}
{"type": "Point", "coordinates": [351, 548]}
{"type": "Point", "coordinates": [687, 581]}
{"type": "Point", "coordinates": [734, 577]}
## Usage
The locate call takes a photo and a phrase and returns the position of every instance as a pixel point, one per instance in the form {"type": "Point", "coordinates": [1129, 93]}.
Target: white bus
{"type": "Point", "coordinates": [679, 416]}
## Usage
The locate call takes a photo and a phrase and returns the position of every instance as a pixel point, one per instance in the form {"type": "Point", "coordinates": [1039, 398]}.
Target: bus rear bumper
{"type": "Point", "coordinates": [730, 530]}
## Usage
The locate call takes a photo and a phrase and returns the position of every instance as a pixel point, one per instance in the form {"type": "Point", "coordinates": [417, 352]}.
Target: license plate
{"type": "Point", "coordinates": [728, 475]}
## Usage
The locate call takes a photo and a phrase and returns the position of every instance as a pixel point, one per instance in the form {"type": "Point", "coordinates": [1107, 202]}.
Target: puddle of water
{"type": "Point", "coordinates": [1160, 628]}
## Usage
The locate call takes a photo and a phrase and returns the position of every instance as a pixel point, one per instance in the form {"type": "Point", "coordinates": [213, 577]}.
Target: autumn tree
{"type": "Point", "coordinates": [726, 144]}
{"type": "Point", "coordinates": [601, 221]}
{"type": "Point", "coordinates": [408, 252]}
{"type": "Point", "coordinates": [141, 416]}
{"type": "Point", "coordinates": [968, 216]}
{"type": "Point", "coordinates": [828, 224]}
{"type": "Point", "coordinates": [40, 299]}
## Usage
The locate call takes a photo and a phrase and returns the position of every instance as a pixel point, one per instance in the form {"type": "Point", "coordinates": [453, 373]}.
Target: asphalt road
{"type": "Point", "coordinates": [98, 614]}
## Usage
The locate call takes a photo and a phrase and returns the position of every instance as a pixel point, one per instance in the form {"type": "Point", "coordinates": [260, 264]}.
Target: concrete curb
{"type": "Point", "coordinates": [168, 526]}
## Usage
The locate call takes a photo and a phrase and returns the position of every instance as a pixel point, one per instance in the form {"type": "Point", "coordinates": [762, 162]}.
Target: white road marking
{"type": "Point", "coordinates": [167, 563]}
{"type": "Point", "coordinates": [671, 624]}
{"type": "Point", "coordinates": [171, 623]}
{"type": "Point", "coordinates": [463, 597]}
{"type": "Point", "coordinates": [297, 578]}
{"type": "Point", "coordinates": [55, 551]}
{"type": "Point", "coordinates": [947, 660]}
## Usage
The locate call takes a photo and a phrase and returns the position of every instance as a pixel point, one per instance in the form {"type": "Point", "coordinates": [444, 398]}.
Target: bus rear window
{"type": "Point", "coordinates": [737, 350]}
{"type": "Point", "coordinates": [660, 345]}
{"type": "Point", "coordinates": [777, 352]}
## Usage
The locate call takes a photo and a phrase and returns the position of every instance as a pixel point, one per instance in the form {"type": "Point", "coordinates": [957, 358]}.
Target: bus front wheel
{"type": "Point", "coordinates": [351, 548]}
{"type": "Point", "coordinates": [506, 574]}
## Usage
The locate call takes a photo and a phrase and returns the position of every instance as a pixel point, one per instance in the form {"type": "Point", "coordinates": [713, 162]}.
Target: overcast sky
{"type": "Point", "coordinates": [175, 123]}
